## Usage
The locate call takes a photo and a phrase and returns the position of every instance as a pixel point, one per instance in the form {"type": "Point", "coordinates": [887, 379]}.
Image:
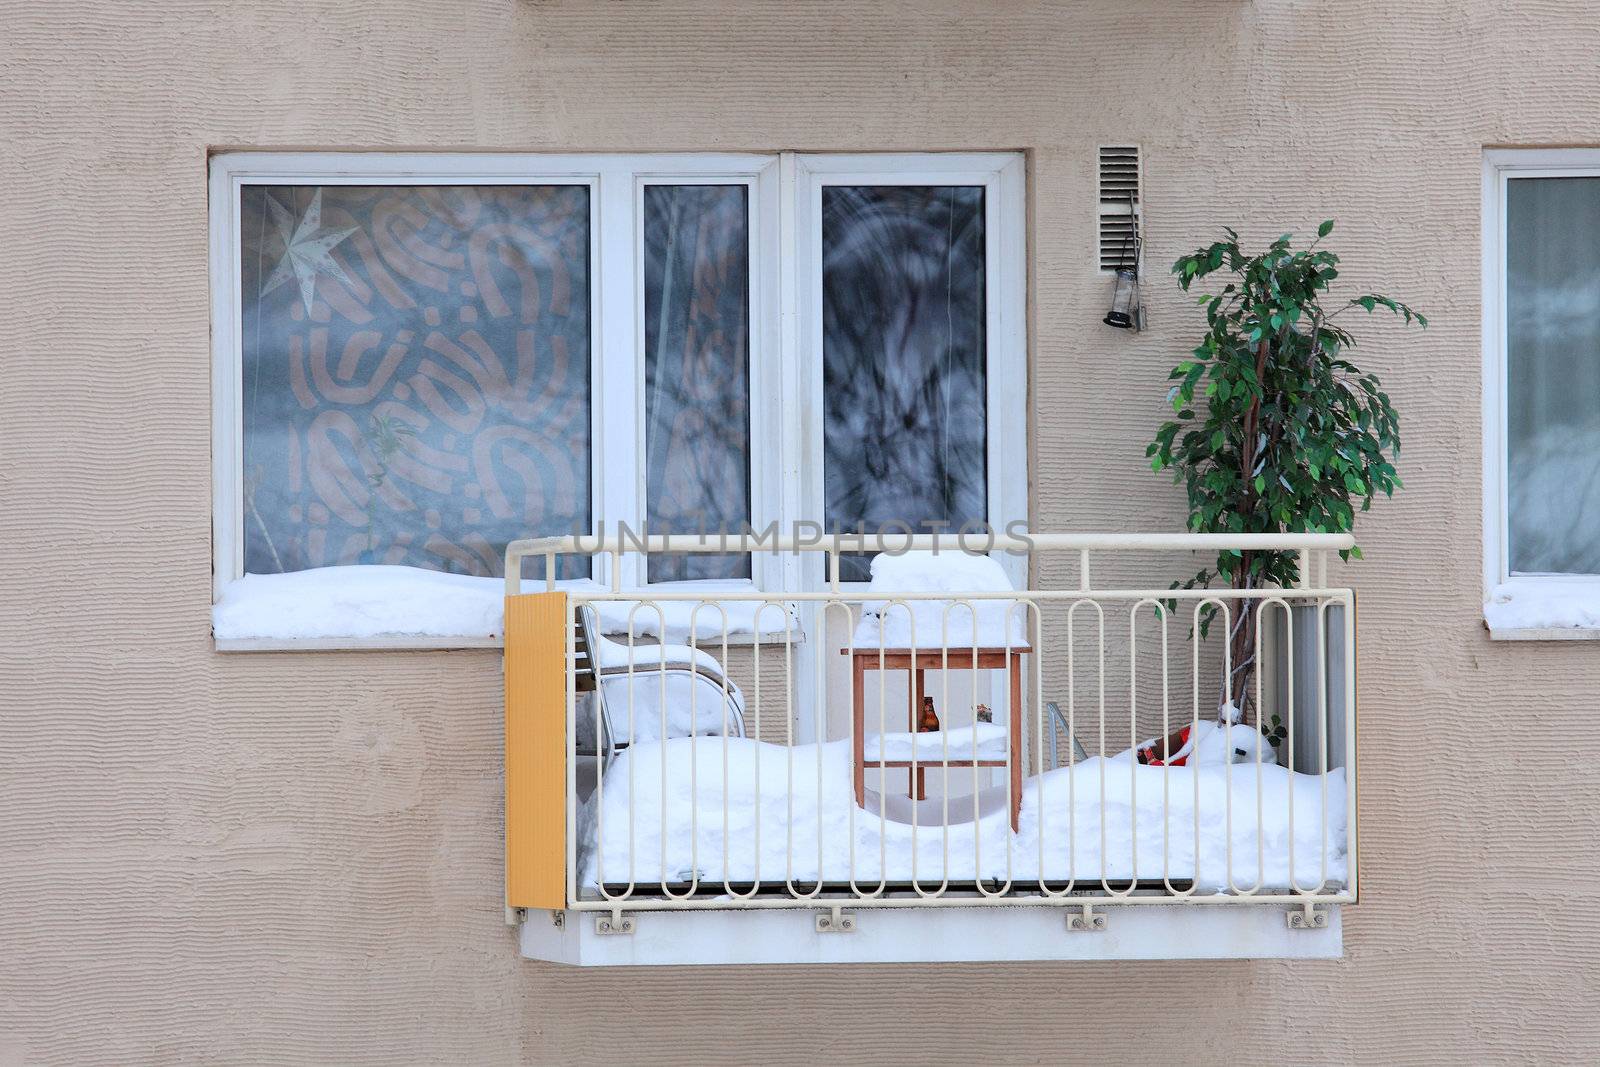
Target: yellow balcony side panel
{"type": "Point", "coordinates": [537, 625]}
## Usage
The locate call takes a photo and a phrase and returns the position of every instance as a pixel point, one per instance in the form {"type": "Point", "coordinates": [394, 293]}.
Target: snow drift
{"type": "Point", "coordinates": [790, 814]}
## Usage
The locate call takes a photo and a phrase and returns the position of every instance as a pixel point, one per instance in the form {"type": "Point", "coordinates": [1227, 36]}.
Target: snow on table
{"type": "Point", "coordinates": [989, 737]}
{"type": "Point", "coordinates": [935, 623]}
{"type": "Point", "coordinates": [1153, 826]}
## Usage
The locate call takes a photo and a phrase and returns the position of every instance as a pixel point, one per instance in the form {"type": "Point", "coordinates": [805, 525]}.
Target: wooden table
{"type": "Point", "coordinates": [916, 665]}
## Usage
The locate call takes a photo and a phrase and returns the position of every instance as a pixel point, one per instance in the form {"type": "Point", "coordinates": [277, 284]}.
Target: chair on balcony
{"type": "Point", "coordinates": [700, 698]}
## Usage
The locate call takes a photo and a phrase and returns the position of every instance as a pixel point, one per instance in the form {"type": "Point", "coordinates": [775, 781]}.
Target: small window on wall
{"type": "Point", "coordinates": [1542, 392]}
{"type": "Point", "coordinates": [421, 358]}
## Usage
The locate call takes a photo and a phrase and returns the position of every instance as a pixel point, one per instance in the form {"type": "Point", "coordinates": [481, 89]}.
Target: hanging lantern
{"type": "Point", "coordinates": [1124, 313]}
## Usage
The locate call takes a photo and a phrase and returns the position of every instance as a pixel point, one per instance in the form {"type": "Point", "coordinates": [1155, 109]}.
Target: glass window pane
{"type": "Point", "coordinates": [697, 381]}
{"type": "Point", "coordinates": [416, 373]}
{"type": "Point", "coordinates": [905, 432]}
{"type": "Point", "coordinates": [1553, 374]}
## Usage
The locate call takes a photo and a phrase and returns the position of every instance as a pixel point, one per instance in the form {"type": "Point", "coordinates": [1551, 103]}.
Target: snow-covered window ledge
{"type": "Point", "coordinates": [1544, 609]}
{"type": "Point", "coordinates": [386, 608]}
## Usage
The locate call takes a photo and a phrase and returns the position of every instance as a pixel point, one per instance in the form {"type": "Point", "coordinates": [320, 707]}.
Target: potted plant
{"type": "Point", "coordinates": [1274, 429]}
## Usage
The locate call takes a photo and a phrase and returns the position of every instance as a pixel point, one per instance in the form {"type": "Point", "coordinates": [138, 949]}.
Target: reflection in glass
{"type": "Point", "coordinates": [697, 381]}
{"type": "Point", "coordinates": [416, 373]}
{"type": "Point", "coordinates": [1553, 374]}
{"type": "Point", "coordinates": [905, 435]}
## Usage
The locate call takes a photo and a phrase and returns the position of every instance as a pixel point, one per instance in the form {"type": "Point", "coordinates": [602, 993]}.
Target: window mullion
{"type": "Point", "coordinates": [1008, 362]}
{"type": "Point", "coordinates": [774, 458]}
{"type": "Point", "coordinates": [619, 374]}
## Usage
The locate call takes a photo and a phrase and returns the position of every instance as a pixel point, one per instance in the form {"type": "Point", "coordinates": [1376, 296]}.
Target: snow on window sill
{"type": "Point", "coordinates": [361, 608]}
{"type": "Point", "coordinates": [1535, 608]}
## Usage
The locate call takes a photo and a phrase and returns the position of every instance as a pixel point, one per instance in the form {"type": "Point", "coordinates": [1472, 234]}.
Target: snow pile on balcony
{"type": "Point", "coordinates": [679, 620]}
{"type": "Point", "coordinates": [1544, 605]}
{"type": "Point", "coordinates": [366, 601]}
{"type": "Point", "coordinates": [643, 658]}
{"type": "Point", "coordinates": [1153, 826]}
{"type": "Point", "coordinates": [671, 691]}
{"type": "Point", "coordinates": [921, 623]}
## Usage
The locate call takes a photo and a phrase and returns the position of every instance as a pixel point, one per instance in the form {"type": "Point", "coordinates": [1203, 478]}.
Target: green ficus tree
{"type": "Point", "coordinates": [1274, 429]}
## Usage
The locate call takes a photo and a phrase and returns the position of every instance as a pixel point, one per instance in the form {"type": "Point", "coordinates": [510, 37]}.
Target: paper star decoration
{"type": "Point", "coordinates": [307, 249]}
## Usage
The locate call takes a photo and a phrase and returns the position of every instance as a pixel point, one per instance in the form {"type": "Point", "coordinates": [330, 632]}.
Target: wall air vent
{"type": "Point", "coordinates": [1121, 206]}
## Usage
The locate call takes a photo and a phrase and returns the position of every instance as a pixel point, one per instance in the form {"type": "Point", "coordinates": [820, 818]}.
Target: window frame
{"type": "Point", "coordinates": [786, 451]}
{"type": "Point", "coordinates": [764, 350]}
{"type": "Point", "coordinates": [614, 181]}
{"type": "Point", "coordinates": [1001, 175]}
{"type": "Point", "coordinates": [1501, 167]}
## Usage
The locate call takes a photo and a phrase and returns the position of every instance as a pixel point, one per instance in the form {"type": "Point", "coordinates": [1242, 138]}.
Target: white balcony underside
{"type": "Point", "coordinates": [930, 935]}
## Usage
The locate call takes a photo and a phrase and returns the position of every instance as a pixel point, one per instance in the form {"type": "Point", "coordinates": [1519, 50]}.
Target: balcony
{"type": "Point", "coordinates": [1018, 755]}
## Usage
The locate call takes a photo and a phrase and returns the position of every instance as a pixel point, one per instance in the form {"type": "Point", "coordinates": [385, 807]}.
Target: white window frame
{"type": "Point", "coordinates": [1005, 309]}
{"type": "Point", "coordinates": [1500, 167]}
{"type": "Point", "coordinates": [763, 354]}
{"type": "Point", "coordinates": [785, 359]}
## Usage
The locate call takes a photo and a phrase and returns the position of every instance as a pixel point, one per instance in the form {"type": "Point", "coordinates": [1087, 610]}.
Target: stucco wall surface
{"type": "Point", "coordinates": [296, 858]}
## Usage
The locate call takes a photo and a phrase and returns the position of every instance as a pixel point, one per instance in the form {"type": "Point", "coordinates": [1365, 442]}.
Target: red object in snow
{"type": "Point", "coordinates": [1173, 750]}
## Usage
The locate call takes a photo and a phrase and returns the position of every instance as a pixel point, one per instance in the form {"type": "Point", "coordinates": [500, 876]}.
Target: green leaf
{"type": "Point", "coordinates": [1326, 228]}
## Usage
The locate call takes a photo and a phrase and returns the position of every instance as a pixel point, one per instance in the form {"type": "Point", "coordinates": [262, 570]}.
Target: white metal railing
{"type": "Point", "coordinates": [684, 792]}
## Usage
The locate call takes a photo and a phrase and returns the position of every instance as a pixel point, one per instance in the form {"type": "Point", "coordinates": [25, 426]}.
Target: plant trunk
{"type": "Point", "coordinates": [1242, 635]}
{"type": "Point", "coordinates": [1241, 664]}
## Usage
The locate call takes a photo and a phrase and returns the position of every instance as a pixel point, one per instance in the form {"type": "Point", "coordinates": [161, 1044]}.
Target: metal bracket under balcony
{"type": "Point", "coordinates": [936, 935]}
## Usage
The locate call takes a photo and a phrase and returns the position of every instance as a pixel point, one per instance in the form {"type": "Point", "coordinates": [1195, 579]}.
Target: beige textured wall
{"type": "Point", "coordinates": [295, 858]}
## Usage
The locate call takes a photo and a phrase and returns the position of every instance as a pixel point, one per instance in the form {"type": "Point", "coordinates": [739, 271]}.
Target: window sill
{"type": "Point", "coordinates": [382, 643]}
{"type": "Point", "coordinates": [1535, 608]}
{"type": "Point", "coordinates": [417, 643]}
{"type": "Point", "coordinates": [391, 609]}
{"type": "Point", "coordinates": [1544, 633]}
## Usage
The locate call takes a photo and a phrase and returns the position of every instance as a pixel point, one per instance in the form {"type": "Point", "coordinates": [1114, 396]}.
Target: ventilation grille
{"type": "Point", "coordinates": [1121, 206]}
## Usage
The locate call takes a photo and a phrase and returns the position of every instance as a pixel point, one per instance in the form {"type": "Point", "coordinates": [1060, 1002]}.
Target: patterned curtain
{"type": "Point", "coordinates": [416, 373]}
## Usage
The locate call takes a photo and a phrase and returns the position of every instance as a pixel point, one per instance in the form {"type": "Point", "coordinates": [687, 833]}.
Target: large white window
{"type": "Point", "coordinates": [419, 358]}
{"type": "Point", "coordinates": [1542, 390]}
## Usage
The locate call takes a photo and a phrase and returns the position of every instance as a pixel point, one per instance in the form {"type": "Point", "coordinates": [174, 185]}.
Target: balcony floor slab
{"type": "Point", "coordinates": [930, 935]}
